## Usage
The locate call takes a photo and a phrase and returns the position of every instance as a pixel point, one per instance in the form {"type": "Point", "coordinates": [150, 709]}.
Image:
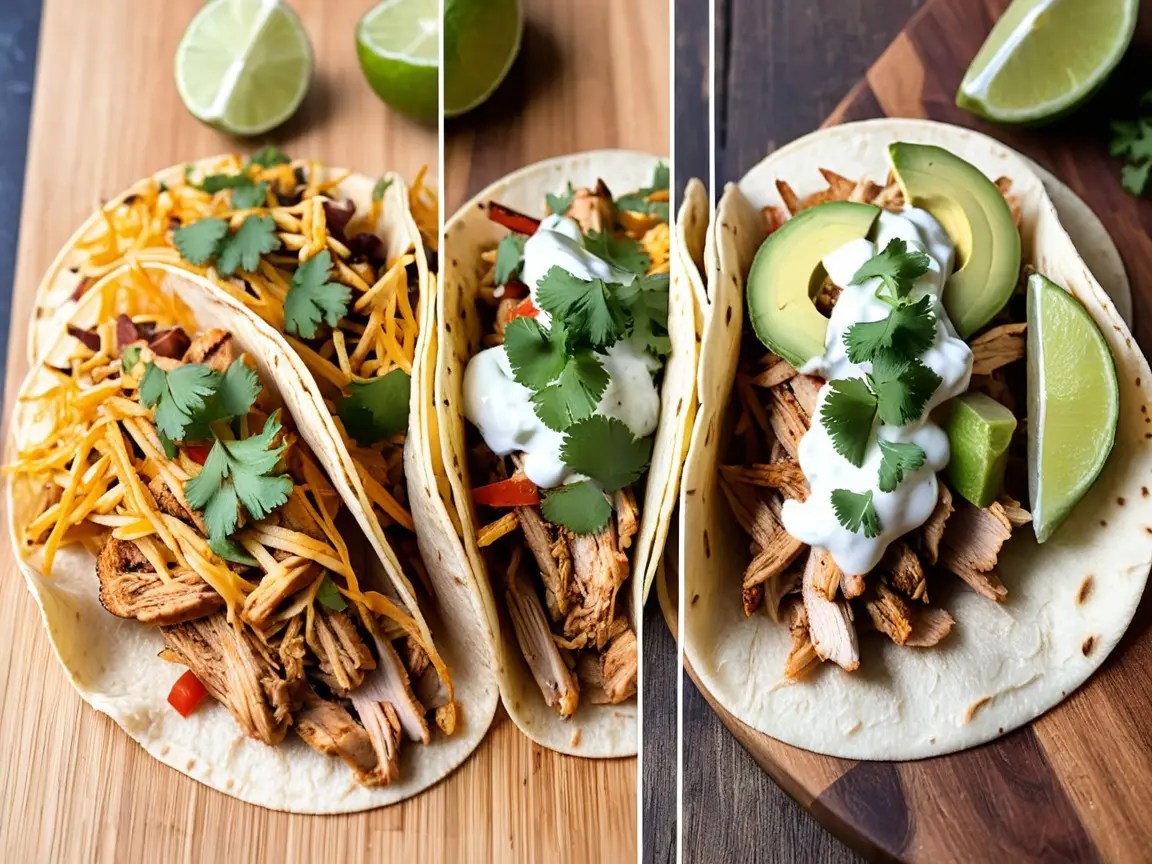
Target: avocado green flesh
{"type": "Point", "coordinates": [781, 279]}
{"type": "Point", "coordinates": [979, 432]}
{"type": "Point", "coordinates": [976, 218]}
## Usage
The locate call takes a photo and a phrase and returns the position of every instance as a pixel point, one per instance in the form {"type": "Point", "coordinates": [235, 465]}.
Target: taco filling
{"type": "Point", "coordinates": [162, 453]}
{"type": "Point", "coordinates": [880, 443]}
{"type": "Point", "coordinates": [563, 404]}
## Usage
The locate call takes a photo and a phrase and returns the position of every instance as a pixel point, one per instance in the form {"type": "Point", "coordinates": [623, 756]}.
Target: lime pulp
{"type": "Point", "coordinates": [398, 43]}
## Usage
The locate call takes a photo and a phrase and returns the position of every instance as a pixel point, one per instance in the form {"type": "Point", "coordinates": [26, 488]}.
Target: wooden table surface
{"type": "Point", "coordinates": [771, 87]}
{"type": "Point", "coordinates": [73, 787]}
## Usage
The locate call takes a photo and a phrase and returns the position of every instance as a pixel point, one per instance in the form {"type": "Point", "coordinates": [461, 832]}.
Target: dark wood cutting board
{"type": "Point", "coordinates": [1076, 784]}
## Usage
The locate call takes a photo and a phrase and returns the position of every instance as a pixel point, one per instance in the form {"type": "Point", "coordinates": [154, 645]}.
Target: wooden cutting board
{"type": "Point", "coordinates": [1076, 784]}
{"type": "Point", "coordinates": [73, 787]}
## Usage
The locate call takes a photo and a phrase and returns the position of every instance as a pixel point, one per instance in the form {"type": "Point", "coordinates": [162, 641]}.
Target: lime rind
{"type": "Point", "coordinates": [419, 34]}
{"type": "Point", "coordinates": [1073, 403]}
{"type": "Point", "coordinates": [466, 39]}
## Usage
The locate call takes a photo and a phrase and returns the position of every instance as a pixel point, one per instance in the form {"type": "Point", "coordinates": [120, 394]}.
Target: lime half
{"type": "Point", "coordinates": [1073, 403]}
{"type": "Point", "coordinates": [481, 41]}
{"type": "Point", "coordinates": [398, 42]}
{"type": "Point", "coordinates": [1045, 57]}
{"type": "Point", "coordinates": [244, 66]}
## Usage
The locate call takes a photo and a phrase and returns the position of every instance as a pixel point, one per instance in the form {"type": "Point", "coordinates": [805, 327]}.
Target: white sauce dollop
{"type": "Point", "coordinates": [907, 507]}
{"type": "Point", "coordinates": [501, 408]}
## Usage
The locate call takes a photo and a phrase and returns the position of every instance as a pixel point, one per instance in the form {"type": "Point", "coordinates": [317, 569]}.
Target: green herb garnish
{"type": "Point", "coordinates": [312, 299]}
{"type": "Point", "coordinates": [210, 238]}
{"type": "Point", "coordinates": [907, 331]}
{"type": "Point", "coordinates": [329, 595]}
{"type": "Point", "coordinates": [177, 396]}
{"type": "Point", "coordinates": [589, 309]}
{"type": "Point", "coordinates": [637, 202]}
{"type": "Point", "coordinates": [896, 266]}
{"type": "Point", "coordinates": [561, 204]}
{"type": "Point", "coordinates": [622, 252]}
{"type": "Point", "coordinates": [380, 187]}
{"type": "Point", "coordinates": [902, 388]}
{"type": "Point", "coordinates": [580, 507]}
{"type": "Point", "coordinates": [605, 449]}
{"type": "Point", "coordinates": [268, 157]}
{"type": "Point", "coordinates": [849, 413]}
{"type": "Point", "coordinates": [855, 511]}
{"type": "Point", "coordinates": [129, 358]}
{"type": "Point", "coordinates": [509, 258]}
{"type": "Point", "coordinates": [1133, 140]}
{"type": "Point", "coordinates": [897, 459]}
{"type": "Point", "coordinates": [377, 408]}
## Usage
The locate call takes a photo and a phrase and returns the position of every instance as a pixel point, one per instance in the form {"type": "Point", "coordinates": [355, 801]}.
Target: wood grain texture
{"type": "Point", "coordinates": [1074, 785]}
{"type": "Point", "coordinates": [590, 75]}
{"type": "Point", "coordinates": [73, 787]}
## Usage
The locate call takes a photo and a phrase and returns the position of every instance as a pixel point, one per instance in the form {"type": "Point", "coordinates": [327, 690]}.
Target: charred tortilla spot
{"type": "Point", "coordinates": [1120, 500]}
{"type": "Point", "coordinates": [707, 546]}
{"type": "Point", "coordinates": [970, 712]}
{"type": "Point", "coordinates": [695, 597]}
{"type": "Point", "coordinates": [1103, 523]}
{"type": "Point", "coordinates": [1085, 590]}
{"type": "Point", "coordinates": [1144, 491]}
{"type": "Point", "coordinates": [679, 406]}
{"type": "Point", "coordinates": [1088, 645]}
{"type": "Point", "coordinates": [728, 316]}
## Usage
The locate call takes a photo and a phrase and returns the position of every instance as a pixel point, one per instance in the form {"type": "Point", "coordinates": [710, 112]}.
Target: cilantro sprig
{"type": "Point", "coordinates": [561, 204]}
{"type": "Point", "coordinates": [637, 202]}
{"type": "Point", "coordinates": [856, 512]}
{"type": "Point", "coordinates": [1132, 139]}
{"type": "Point", "coordinates": [622, 252]}
{"type": "Point", "coordinates": [509, 258]}
{"type": "Point", "coordinates": [210, 238]}
{"type": "Point", "coordinates": [377, 408]}
{"type": "Point", "coordinates": [312, 299]}
{"type": "Point", "coordinates": [907, 331]}
{"type": "Point", "coordinates": [191, 397]}
{"type": "Point", "coordinates": [896, 267]}
{"type": "Point", "coordinates": [896, 459]}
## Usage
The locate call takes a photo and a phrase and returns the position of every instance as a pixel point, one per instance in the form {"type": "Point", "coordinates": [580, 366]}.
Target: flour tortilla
{"type": "Point", "coordinates": [113, 663]}
{"type": "Point", "coordinates": [1003, 665]}
{"type": "Point", "coordinates": [594, 730]}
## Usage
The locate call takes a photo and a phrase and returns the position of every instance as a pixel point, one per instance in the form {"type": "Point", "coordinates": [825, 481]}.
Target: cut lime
{"type": "Point", "coordinates": [244, 66]}
{"type": "Point", "coordinates": [398, 42]}
{"type": "Point", "coordinates": [1045, 57]}
{"type": "Point", "coordinates": [481, 41]}
{"type": "Point", "coordinates": [1073, 403]}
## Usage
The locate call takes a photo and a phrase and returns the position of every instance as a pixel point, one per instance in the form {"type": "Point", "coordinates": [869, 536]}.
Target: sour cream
{"type": "Point", "coordinates": [907, 507]}
{"type": "Point", "coordinates": [501, 408]}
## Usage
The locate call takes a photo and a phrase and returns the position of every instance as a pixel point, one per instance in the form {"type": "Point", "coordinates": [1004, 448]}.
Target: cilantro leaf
{"type": "Point", "coordinates": [855, 511]}
{"type": "Point", "coordinates": [561, 204]}
{"type": "Point", "coordinates": [198, 242]}
{"type": "Point", "coordinates": [1132, 139]}
{"type": "Point", "coordinates": [229, 550]}
{"type": "Point", "coordinates": [623, 252]}
{"type": "Point", "coordinates": [637, 202]}
{"type": "Point", "coordinates": [605, 449]}
{"type": "Point", "coordinates": [646, 300]}
{"type": "Point", "coordinates": [178, 396]}
{"type": "Point", "coordinates": [169, 447]}
{"type": "Point", "coordinates": [896, 460]}
{"type": "Point", "coordinates": [252, 195]}
{"type": "Point", "coordinates": [377, 408]}
{"type": "Point", "coordinates": [588, 309]}
{"type": "Point", "coordinates": [509, 258]}
{"type": "Point", "coordinates": [907, 331]}
{"type": "Point", "coordinates": [902, 387]}
{"type": "Point", "coordinates": [579, 507]}
{"type": "Point", "coordinates": [896, 266]}
{"type": "Point", "coordinates": [1134, 178]}
{"type": "Point", "coordinates": [268, 157]}
{"type": "Point", "coordinates": [312, 298]}
{"type": "Point", "coordinates": [536, 354]}
{"type": "Point", "coordinates": [214, 183]}
{"type": "Point", "coordinates": [329, 595]}
{"type": "Point", "coordinates": [849, 412]}
{"type": "Point", "coordinates": [242, 250]}
{"type": "Point", "coordinates": [238, 390]}
{"type": "Point", "coordinates": [129, 358]}
{"type": "Point", "coordinates": [236, 473]}
{"type": "Point", "coordinates": [575, 394]}
{"type": "Point", "coordinates": [380, 187]}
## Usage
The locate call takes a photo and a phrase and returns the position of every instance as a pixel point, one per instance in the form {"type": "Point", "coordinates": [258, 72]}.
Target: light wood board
{"type": "Point", "coordinates": [73, 787]}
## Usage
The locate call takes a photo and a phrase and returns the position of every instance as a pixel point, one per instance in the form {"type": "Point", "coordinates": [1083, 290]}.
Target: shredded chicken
{"type": "Point", "coordinates": [802, 657]}
{"type": "Point", "coordinates": [599, 569]}
{"type": "Point", "coordinates": [933, 530]}
{"type": "Point", "coordinates": [627, 515]}
{"type": "Point", "coordinates": [343, 656]}
{"type": "Point", "coordinates": [292, 649]}
{"type": "Point", "coordinates": [852, 585]}
{"type": "Point", "coordinates": [213, 348]}
{"type": "Point", "coordinates": [930, 626]}
{"type": "Point", "coordinates": [829, 622]}
{"type": "Point", "coordinates": [388, 684]}
{"type": "Point", "coordinates": [971, 547]}
{"type": "Point", "coordinates": [274, 589]}
{"type": "Point", "coordinates": [618, 667]}
{"type": "Point", "coordinates": [906, 571]}
{"type": "Point", "coordinates": [593, 209]}
{"type": "Point", "coordinates": [788, 419]}
{"type": "Point", "coordinates": [785, 476]}
{"type": "Point", "coordinates": [776, 371]}
{"type": "Point", "coordinates": [891, 613]}
{"type": "Point", "coordinates": [1016, 514]}
{"type": "Point", "coordinates": [775, 590]}
{"type": "Point", "coordinates": [131, 588]}
{"type": "Point", "coordinates": [552, 675]}
{"type": "Point", "coordinates": [550, 549]}
{"type": "Point", "coordinates": [998, 347]}
{"type": "Point", "coordinates": [827, 577]}
{"type": "Point", "coordinates": [328, 728]}
{"type": "Point", "coordinates": [806, 389]}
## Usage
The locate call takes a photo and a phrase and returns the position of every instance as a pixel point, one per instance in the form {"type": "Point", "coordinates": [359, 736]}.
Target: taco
{"type": "Point", "coordinates": [563, 378]}
{"type": "Point", "coordinates": [272, 582]}
{"type": "Point", "coordinates": [891, 548]}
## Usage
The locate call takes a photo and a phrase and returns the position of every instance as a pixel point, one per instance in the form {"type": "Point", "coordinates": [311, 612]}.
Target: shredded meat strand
{"type": "Point", "coordinates": [829, 623]}
{"type": "Point", "coordinates": [971, 547]}
{"type": "Point", "coordinates": [891, 614]}
{"type": "Point", "coordinates": [131, 588]}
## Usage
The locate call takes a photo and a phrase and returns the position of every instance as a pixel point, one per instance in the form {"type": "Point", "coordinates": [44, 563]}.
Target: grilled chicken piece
{"type": "Point", "coordinates": [618, 668]}
{"type": "Point", "coordinates": [292, 649]}
{"type": "Point", "coordinates": [235, 673]}
{"type": "Point", "coordinates": [776, 548]}
{"type": "Point", "coordinates": [389, 685]}
{"type": "Point", "coordinates": [802, 657]}
{"type": "Point", "coordinates": [600, 568]}
{"type": "Point", "coordinates": [327, 727]}
{"type": "Point", "coordinates": [383, 728]}
{"type": "Point", "coordinates": [851, 586]}
{"type": "Point", "coordinates": [553, 677]}
{"type": "Point", "coordinates": [627, 515]}
{"type": "Point", "coordinates": [343, 656]}
{"type": "Point", "coordinates": [785, 476]}
{"type": "Point", "coordinates": [829, 622]}
{"type": "Point", "coordinates": [971, 547]}
{"type": "Point", "coordinates": [552, 557]}
{"type": "Point", "coordinates": [775, 590]}
{"type": "Point", "coordinates": [275, 588]}
{"type": "Point", "coordinates": [998, 347]}
{"type": "Point", "coordinates": [906, 571]}
{"type": "Point", "coordinates": [828, 575]}
{"type": "Point", "coordinates": [426, 683]}
{"type": "Point", "coordinates": [1016, 514]}
{"type": "Point", "coordinates": [930, 625]}
{"type": "Point", "coordinates": [890, 613]}
{"type": "Point", "coordinates": [131, 588]}
{"type": "Point", "coordinates": [213, 348]}
{"type": "Point", "coordinates": [788, 419]}
{"type": "Point", "coordinates": [777, 370]}
{"type": "Point", "coordinates": [933, 530]}
{"type": "Point", "coordinates": [806, 389]}
{"type": "Point", "coordinates": [593, 209]}
{"type": "Point", "coordinates": [167, 501]}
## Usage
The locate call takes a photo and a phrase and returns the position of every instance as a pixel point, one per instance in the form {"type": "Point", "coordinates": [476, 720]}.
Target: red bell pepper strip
{"type": "Point", "coordinates": [512, 220]}
{"type": "Point", "coordinates": [516, 491]}
{"type": "Point", "coordinates": [186, 694]}
{"type": "Point", "coordinates": [524, 310]}
{"type": "Point", "coordinates": [198, 453]}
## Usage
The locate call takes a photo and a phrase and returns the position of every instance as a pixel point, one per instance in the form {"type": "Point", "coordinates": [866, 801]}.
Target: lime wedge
{"type": "Point", "coordinates": [1045, 57]}
{"type": "Point", "coordinates": [481, 41]}
{"type": "Point", "coordinates": [398, 42]}
{"type": "Point", "coordinates": [244, 66]}
{"type": "Point", "coordinates": [1073, 403]}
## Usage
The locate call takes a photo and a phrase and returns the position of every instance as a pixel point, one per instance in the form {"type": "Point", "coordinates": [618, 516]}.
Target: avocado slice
{"type": "Point", "coordinates": [979, 432]}
{"type": "Point", "coordinates": [787, 273]}
{"type": "Point", "coordinates": [977, 218]}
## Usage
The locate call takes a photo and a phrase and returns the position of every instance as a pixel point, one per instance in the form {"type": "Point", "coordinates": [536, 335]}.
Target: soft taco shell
{"type": "Point", "coordinates": [113, 663]}
{"type": "Point", "coordinates": [1069, 601]}
{"type": "Point", "coordinates": [594, 730]}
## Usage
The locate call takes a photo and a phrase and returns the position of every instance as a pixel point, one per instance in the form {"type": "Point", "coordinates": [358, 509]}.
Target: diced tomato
{"type": "Point", "coordinates": [512, 220]}
{"type": "Point", "coordinates": [513, 289]}
{"type": "Point", "coordinates": [186, 694]}
{"type": "Point", "coordinates": [198, 452]}
{"type": "Point", "coordinates": [516, 491]}
{"type": "Point", "coordinates": [524, 310]}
